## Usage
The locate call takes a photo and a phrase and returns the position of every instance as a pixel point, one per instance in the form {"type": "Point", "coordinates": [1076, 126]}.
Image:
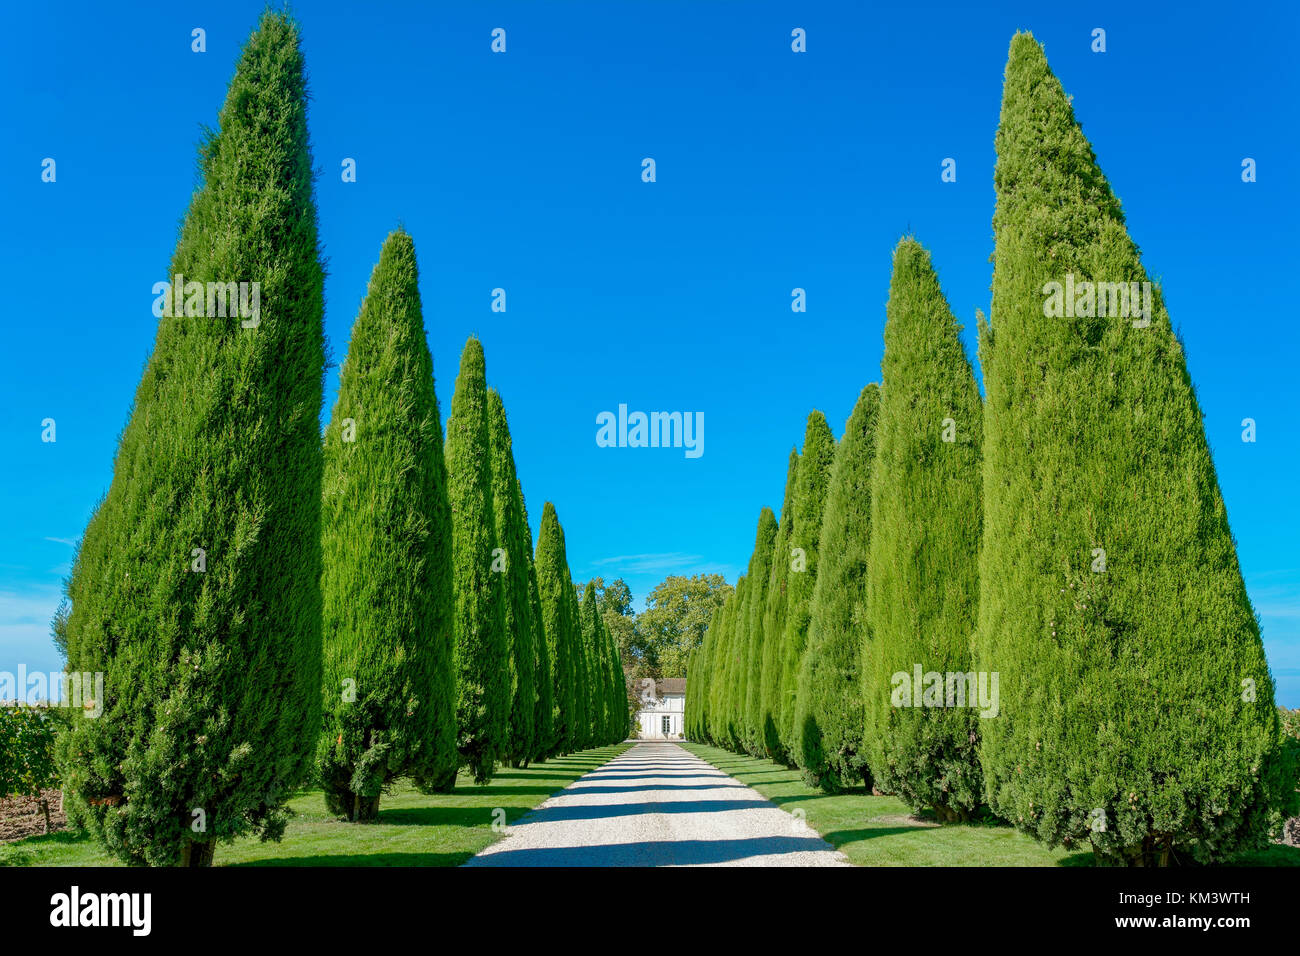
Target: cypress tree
{"type": "Point", "coordinates": [740, 675]}
{"type": "Point", "coordinates": [774, 617]}
{"type": "Point", "coordinates": [581, 670]}
{"type": "Point", "coordinates": [386, 541]}
{"type": "Point", "coordinates": [809, 501]}
{"type": "Point", "coordinates": [923, 567]}
{"type": "Point", "coordinates": [828, 715]}
{"type": "Point", "coordinates": [554, 593]}
{"type": "Point", "coordinates": [512, 537]}
{"type": "Point", "coordinates": [618, 687]}
{"type": "Point", "coordinates": [721, 668]}
{"type": "Point", "coordinates": [543, 699]}
{"type": "Point", "coordinates": [196, 587]}
{"type": "Point", "coordinates": [482, 652]}
{"type": "Point", "coordinates": [614, 730]}
{"type": "Point", "coordinates": [702, 687]}
{"type": "Point", "coordinates": [737, 663]}
{"type": "Point", "coordinates": [595, 674]}
{"type": "Point", "coordinates": [760, 571]}
{"type": "Point", "coordinates": [1136, 702]}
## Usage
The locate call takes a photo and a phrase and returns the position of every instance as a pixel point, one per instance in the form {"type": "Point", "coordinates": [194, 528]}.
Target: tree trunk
{"type": "Point", "coordinates": [45, 809]}
{"type": "Point", "coordinates": [197, 854]}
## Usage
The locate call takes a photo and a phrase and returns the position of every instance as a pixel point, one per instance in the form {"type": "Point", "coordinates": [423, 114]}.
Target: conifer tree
{"type": "Point", "coordinates": [809, 501]}
{"type": "Point", "coordinates": [740, 675]}
{"type": "Point", "coordinates": [774, 617]}
{"type": "Point", "coordinates": [595, 669]}
{"type": "Point", "coordinates": [196, 587]}
{"type": "Point", "coordinates": [544, 699]}
{"type": "Point", "coordinates": [482, 651]}
{"type": "Point", "coordinates": [702, 688]}
{"type": "Point", "coordinates": [1136, 704]}
{"type": "Point", "coordinates": [723, 668]}
{"type": "Point", "coordinates": [617, 688]}
{"type": "Point", "coordinates": [760, 571]}
{"type": "Point", "coordinates": [515, 559]}
{"type": "Point", "coordinates": [581, 670]}
{"type": "Point", "coordinates": [923, 584]}
{"type": "Point", "coordinates": [828, 714]}
{"type": "Point", "coordinates": [386, 540]}
{"type": "Point", "coordinates": [555, 593]}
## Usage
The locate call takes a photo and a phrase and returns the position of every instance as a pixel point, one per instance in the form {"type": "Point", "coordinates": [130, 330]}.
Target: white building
{"type": "Point", "coordinates": [663, 706]}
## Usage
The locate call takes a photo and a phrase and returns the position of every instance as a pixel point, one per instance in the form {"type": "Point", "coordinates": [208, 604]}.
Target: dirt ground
{"type": "Point", "coordinates": [21, 816]}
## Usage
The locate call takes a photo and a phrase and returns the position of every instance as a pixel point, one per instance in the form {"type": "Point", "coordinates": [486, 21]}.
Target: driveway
{"type": "Point", "coordinates": [658, 805]}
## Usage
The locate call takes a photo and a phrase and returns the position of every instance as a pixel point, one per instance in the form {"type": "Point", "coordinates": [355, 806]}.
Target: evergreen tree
{"type": "Point", "coordinates": [544, 699]}
{"type": "Point", "coordinates": [595, 673]}
{"type": "Point", "coordinates": [515, 559]}
{"type": "Point", "coordinates": [1136, 705]}
{"type": "Point", "coordinates": [737, 690]}
{"type": "Point", "coordinates": [760, 570]}
{"type": "Point", "coordinates": [617, 689]}
{"type": "Point", "coordinates": [196, 587]}
{"type": "Point", "coordinates": [721, 654]}
{"type": "Point", "coordinates": [554, 592]}
{"type": "Point", "coordinates": [386, 541]}
{"type": "Point", "coordinates": [923, 583]}
{"type": "Point", "coordinates": [700, 689]}
{"type": "Point", "coordinates": [581, 670]}
{"type": "Point", "coordinates": [482, 651]}
{"type": "Point", "coordinates": [774, 617]}
{"type": "Point", "coordinates": [828, 714]}
{"type": "Point", "coordinates": [809, 501]}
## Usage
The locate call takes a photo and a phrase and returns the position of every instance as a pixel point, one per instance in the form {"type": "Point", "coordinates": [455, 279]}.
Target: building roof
{"type": "Point", "coordinates": [671, 685]}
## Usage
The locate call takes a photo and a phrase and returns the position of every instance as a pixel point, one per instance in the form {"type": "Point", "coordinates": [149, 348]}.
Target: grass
{"type": "Point", "coordinates": [414, 829]}
{"type": "Point", "coordinates": [881, 831]}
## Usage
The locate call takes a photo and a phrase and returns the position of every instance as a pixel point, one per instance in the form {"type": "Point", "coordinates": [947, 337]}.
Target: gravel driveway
{"type": "Point", "coordinates": [658, 805]}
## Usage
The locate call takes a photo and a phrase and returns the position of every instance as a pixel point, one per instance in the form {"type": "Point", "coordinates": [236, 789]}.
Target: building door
{"type": "Point", "coordinates": [667, 725]}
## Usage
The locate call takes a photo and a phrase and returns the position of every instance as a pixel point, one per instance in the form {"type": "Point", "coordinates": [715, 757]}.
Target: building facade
{"type": "Point", "coordinates": [663, 708]}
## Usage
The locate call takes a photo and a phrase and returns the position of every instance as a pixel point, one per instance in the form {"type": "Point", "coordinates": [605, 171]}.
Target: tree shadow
{"type": "Point", "coordinates": [363, 859]}
{"type": "Point", "coordinates": [651, 853]}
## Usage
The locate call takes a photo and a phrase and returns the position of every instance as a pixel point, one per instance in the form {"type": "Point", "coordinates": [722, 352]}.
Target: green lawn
{"type": "Point", "coordinates": [879, 831]}
{"type": "Point", "coordinates": [413, 829]}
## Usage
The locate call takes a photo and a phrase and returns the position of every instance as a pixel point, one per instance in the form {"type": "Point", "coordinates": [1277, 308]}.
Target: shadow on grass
{"type": "Point", "coordinates": [364, 859]}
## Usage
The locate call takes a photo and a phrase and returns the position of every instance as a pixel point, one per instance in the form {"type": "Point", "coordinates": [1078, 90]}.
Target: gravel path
{"type": "Point", "coordinates": [658, 805]}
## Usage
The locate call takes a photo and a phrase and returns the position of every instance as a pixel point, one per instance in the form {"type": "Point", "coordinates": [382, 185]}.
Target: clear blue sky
{"type": "Point", "coordinates": [522, 171]}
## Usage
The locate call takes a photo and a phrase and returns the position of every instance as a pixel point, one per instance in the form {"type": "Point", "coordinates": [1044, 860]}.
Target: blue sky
{"type": "Point", "coordinates": [522, 171]}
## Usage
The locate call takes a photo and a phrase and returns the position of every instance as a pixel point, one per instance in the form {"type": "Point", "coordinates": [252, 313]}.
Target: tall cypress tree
{"type": "Point", "coordinates": [595, 670]}
{"type": "Point", "coordinates": [828, 713]}
{"type": "Point", "coordinates": [724, 668]}
{"type": "Point", "coordinates": [386, 540]}
{"type": "Point", "coordinates": [554, 592]}
{"type": "Point", "coordinates": [196, 588]}
{"type": "Point", "coordinates": [702, 688]}
{"type": "Point", "coordinates": [617, 688]}
{"type": "Point", "coordinates": [581, 669]}
{"type": "Point", "coordinates": [482, 652]}
{"type": "Point", "coordinates": [740, 675]}
{"type": "Point", "coordinates": [543, 714]}
{"type": "Point", "coordinates": [1136, 702]}
{"type": "Point", "coordinates": [923, 584]}
{"type": "Point", "coordinates": [759, 572]}
{"type": "Point", "coordinates": [809, 501]}
{"type": "Point", "coordinates": [517, 554]}
{"type": "Point", "coordinates": [774, 617]}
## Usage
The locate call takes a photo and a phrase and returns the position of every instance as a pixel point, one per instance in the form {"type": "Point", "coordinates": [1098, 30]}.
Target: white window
{"type": "Point", "coordinates": [667, 725]}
